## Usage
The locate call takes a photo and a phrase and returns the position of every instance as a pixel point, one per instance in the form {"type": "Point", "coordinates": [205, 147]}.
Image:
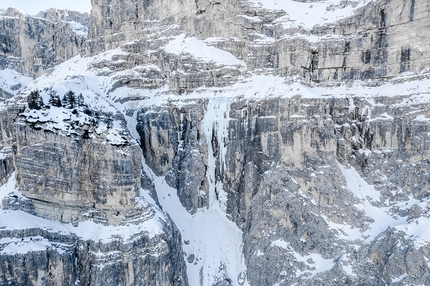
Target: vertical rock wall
{"type": "Point", "coordinates": [32, 45]}
{"type": "Point", "coordinates": [284, 186]}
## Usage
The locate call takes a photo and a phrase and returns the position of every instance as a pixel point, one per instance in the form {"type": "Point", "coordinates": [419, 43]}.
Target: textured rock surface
{"type": "Point", "coordinates": [285, 148]}
{"type": "Point", "coordinates": [32, 45]}
{"type": "Point", "coordinates": [36, 256]}
{"type": "Point", "coordinates": [76, 176]}
{"type": "Point", "coordinates": [285, 189]}
{"type": "Point", "coordinates": [370, 44]}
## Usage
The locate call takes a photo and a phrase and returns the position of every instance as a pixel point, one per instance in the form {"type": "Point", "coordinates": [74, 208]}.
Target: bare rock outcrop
{"type": "Point", "coordinates": [33, 45]}
{"type": "Point", "coordinates": [217, 143]}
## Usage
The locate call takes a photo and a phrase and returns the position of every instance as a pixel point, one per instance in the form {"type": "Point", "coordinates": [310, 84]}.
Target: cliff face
{"type": "Point", "coordinates": [107, 232]}
{"type": "Point", "coordinates": [78, 177]}
{"type": "Point", "coordinates": [280, 175]}
{"type": "Point", "coordinates": [322, 42]}
{"type": "Point", "coordinates": [33, 45]}
{"type": "Point", "coordinates": [218, 143]}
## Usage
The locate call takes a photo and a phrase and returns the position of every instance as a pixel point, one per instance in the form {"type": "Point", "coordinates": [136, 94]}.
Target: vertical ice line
{"type": "Point", "coordinates": [181, 133]}
{"type": "Point", "coordinates": [215, 123]}
{"type": "Point", "coordinates": [214, 240]}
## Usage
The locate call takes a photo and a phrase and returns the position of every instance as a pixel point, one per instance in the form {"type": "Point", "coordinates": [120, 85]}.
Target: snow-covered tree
{"type": "Point", "coordinates": [54, 99]}
{"type": "Point", "coordinates": [35, 101]}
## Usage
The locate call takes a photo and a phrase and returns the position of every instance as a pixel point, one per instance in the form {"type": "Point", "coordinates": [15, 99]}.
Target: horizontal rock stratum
{"type": "Point", "coordinates": [254, 142]}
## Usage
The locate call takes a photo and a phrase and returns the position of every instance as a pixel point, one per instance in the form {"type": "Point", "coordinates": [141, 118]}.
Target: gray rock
{"type": "Point", "coordinates": [33, 45]}
{"type": "Point", "coordinates": [278, 170]}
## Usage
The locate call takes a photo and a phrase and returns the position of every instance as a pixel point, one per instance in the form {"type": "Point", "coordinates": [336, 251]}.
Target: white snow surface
{"type": "Point", "coordinates": [14, 246]}
{"type": "Point", "coordinates": [314, 261]}
{"type": "Point", "coordinates": [258, 87]}
{"type": "Point", "coordinates": [199, 50]}
{"type": "Point", "coordinates": [78, 28]}
{"type": "Point", "coordinates": [12, 81]}
{"type": "Point", "coordinates": [307, 15]}
{"type": "Point", "coordinates": [422, 118]}
{"type": "Point", "coordinates": [88, 230]}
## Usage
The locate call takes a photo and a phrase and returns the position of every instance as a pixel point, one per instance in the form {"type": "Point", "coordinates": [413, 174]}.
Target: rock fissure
{"type": "Point", "coordinates": [267, 143]}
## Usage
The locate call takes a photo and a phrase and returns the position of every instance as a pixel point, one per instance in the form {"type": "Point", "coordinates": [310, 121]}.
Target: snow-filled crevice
{"type": "Point", "coordinates": [212, 244]}
{"type": "Point", "coordinates": [367, 195]}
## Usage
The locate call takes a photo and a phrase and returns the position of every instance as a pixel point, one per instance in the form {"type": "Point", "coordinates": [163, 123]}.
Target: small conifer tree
{"type": "Point", "coordinates": [54, 99]}
{"type": "Point", "coordinates": [35, 101]}
{"type": "Point", "coordinates": [69, 99]}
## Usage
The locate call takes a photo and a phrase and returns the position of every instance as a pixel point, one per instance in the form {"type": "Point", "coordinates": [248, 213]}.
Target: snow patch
{"type": "Point", "coordinates": [199, 50]}
{"type": "Point", "coordinates": [78, 28]}
{"type": "Point", "coordinates": [88, 230]}
{"type": "Point", "coordinates": [307, 15]}
{"type": "Point", "coordinates": [12, 246]}
{"type": "Point", "coordinates": [12, 81]}
{"type": "Point", "coordinates": [383, 116]}
{"type": "Point", "coordinates": [7, 188]}
{"type": "Point", "coordinates": [421, 118]}
{"type": "Point", "coordinates": [359, 187]}
{"type": "Point", "coordinates": [280, 243]}
{"type": "Point", "coordinates": [366, 193]}
{"type": "Point", "coordinates": [314, 261]}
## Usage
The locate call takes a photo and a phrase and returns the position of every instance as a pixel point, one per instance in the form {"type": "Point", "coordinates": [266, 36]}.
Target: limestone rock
{"type": "Point", "coordinates": [32, 45]}
{"type": "Point", "coordinates": [287, 144]}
